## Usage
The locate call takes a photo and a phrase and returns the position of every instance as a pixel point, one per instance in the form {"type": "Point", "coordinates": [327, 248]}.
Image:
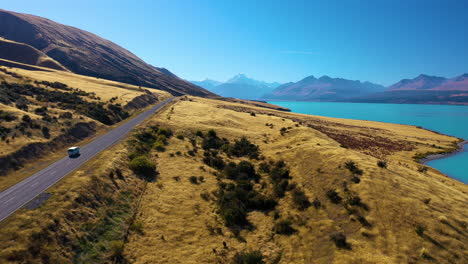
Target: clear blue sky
{"type": "Point", "coordinates": [381, 41]}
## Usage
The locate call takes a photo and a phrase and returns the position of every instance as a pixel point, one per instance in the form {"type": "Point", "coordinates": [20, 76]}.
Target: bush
{"type": "Point", "coordinates": [199, 133]}
{"type": "Point", "coordinates": [26, 118]}
{"type": "Point", "coordinates": [382, 164]}
{"type": "Point", "coordinates": [353, 168]}
{"type": "Point", "coordinates": [7, 116]}
{"type": "Point", "coordinates": [333, 196]}
{"type": "Point", "coordinates": [355, 179]}
{"type": "Point", "coordinates": [284, 227]}
{"type": "Point", "coordinates": [244, 170]}
{"type": "Point", "coordinates": [249, 257]}
{"type": "Point", "coordinates": [340, 240]}
{"type": "Point", "coordinates": [300, 199]}
{"type": "Point", "coordinates": [215, 162]}
{"type": "Point", "coordinates": [181, 137]}
{"type": "Point", "coordinates": [193, 179]}
{"type": "Point", "coordinates": [144, 167]}
{"type": "Point", "coordinates": [46, 132]}
{"type": "Point", "coordinates": [244, 148]}
{"type": "Point", "coordinates": [66, 115]}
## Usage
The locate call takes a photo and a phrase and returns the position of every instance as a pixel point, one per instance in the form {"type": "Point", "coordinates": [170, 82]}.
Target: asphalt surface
{"type": "Point", "coordinates": [18, 195]}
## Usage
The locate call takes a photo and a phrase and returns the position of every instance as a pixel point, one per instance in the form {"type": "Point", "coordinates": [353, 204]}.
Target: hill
{"type": "Point", "coordinates": [239, 86]}
{"type": "Point", "coordinates": [209, 181]}
{"type": "Point", "coordinates": [87, 54]}
{"type": "Point", "coordinates": [23, 53]}
{"type": "Point", "coordinates": [322, 89]}
{"type": "Point", "coordinates": [423, 89]}
{"type": "Point", "coordinates": [44, 111]}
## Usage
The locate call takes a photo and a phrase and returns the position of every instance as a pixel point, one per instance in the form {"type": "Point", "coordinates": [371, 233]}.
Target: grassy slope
{"type": "Point", "coordinates": [104, 90]}
{"type": "Point", "coordinates": [178, 226]}
{"type": "Point", "coordinates": [177, 220]}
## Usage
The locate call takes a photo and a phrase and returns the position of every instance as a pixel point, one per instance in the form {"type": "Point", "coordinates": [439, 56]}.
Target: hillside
{"type": "Point", "coordinates": [423, 89]}
{"type": "Point", "coordinates": [209, 181]}
{"type": "Point", "coordinates": [23, 53]}
{"type": "Point", "coordinates": [44, 111]}
{"type": "Point", "coordinates": [322, 89]}
{"type": "Point", "coordinates": [87, 54]}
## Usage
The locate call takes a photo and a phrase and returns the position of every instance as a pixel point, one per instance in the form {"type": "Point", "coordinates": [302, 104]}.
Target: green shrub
{"type": "Point", "coordinates": [300, 199]}
{"type": "Point", "coordinates": [382, 164]}
{"type": "Point", "coordinates": [116, 248]}
{"type": "Point", "coordinates": [7, 116]}
{"type": "Point", "coordinates": [284, 227]}
{"type": "Point", "coordinates": [353, 168]}
{"type": "Point", "coordinates": [333, 196]}
{"type": "Point", "coordinates": [248, 257]}
{"type": "Point", "coordinates": [340, 240]}
{"type": "Point", "coordinates": [46, 132]}
{"type": "Point", "coordinates": [181, 137]}
{"type": "Point", "coordinates": [244, 170]}
{"type": "Point", "coordinates": [143, 167]}
{"type": "Point", "coordinates": [244, 148]}
{"type": "Point", "coordinates": [193, 179]}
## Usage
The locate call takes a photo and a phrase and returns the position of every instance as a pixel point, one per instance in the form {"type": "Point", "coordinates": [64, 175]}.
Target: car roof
{"type": "Point", "coordinates": [73, 148]}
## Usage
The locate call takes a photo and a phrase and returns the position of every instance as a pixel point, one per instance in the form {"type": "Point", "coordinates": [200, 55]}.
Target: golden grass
{"type": "Point", "coordinates": [179, 226]}
{"type": "Point", "coordinates": [174, 214]}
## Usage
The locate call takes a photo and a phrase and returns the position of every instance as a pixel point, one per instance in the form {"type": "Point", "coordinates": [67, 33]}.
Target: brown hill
{"type": "Point", "coordinates": [24, 53]}
{"type": "Point", "coordinates": [85, 53]}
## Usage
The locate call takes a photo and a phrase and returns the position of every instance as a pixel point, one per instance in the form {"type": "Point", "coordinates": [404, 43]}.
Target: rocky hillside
{"type": "Point", "coordinates": [85, 53]}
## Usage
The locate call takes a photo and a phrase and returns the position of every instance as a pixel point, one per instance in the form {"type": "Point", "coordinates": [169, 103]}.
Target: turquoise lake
{"type": "Point", "coordinates": [447, 119]}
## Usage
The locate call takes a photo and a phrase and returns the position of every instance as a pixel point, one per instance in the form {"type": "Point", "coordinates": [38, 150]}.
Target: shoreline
{"type": "Point", "coordinates": [444, 155]}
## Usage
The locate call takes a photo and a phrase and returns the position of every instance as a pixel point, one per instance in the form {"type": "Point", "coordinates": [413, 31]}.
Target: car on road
{"type": "Point", "coordinates": [73, 152]}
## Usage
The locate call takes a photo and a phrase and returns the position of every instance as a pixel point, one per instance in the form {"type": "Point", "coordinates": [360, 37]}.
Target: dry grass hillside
{"type": "Point", "coordinates": [207, 181]}
{"type": "Point", "coordinates": [44, 111]}
{"type": "Point", "coordinates": [88, 54]}
{"type": "Point", "coordinates": [20, 52]}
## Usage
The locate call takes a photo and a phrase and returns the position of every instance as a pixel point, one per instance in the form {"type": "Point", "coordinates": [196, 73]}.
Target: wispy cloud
{"type": "Point", "coordinates": [299, 52]}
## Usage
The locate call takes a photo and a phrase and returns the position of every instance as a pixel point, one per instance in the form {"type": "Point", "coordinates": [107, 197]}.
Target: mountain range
{"type": "Point", "coordinates": [239, 86]}
{"type": "Point", "coordinates": [324, 88]}
{"type": "Point", "coordinates": [83, 53]}
{"type": "Point", "coordinates": [423, 89]}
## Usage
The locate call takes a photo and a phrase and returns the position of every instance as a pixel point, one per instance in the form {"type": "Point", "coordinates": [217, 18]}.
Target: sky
{"type": "Point", "coordinates": [381, 41]}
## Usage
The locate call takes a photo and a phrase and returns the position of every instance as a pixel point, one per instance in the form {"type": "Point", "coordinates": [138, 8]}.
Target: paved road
{"type": "Point", "coordinates": [18, 195]}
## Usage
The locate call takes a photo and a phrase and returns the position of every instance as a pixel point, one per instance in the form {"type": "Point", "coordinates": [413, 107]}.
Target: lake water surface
{"type": "Point", "coordinates": [447, 119]}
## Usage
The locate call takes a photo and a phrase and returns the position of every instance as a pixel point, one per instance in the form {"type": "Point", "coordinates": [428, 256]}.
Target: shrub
{"type": "Point", "coordinates": [46, 132]}
{"type": "Point", "coordinates": [212, 141]}
{"type": "Point", "coordinates": [244, 148]}
{"type": "Point", "coordinates": [249, 257]}
{"type": "Point", "coordinates": [193, 179]}
{"type": "Point", "coordinates": [181, 137]}
{"type": "Point", "coordinates": [66, 115]}
{"type": "Point", "coordinates": [252, 114]}
{"type": "Point", "coordinates": [340, 240]}
{"type": "Point", "coordinates": [26, 118]}
{"type": "Point", "coordinates": [333, 196]}
{"type": "Point", "coordinates": [244, 170]}
{"type": "Point", "coordinates": [353, 168]}
{"type": "Point", "coordinates": [355, 179]}
{"type": "Point", "coordinates": [7, 116]}
{"type": "Point", "coordinates": [215, 162]}
{"type": "Point", "coordinates": [300, 199]}
{"type": "Point", "coordinates": [144, 167]}
{"type": "Point", "coordinates": [199, 133]}
{"type": "Point", "coordinates": [41, 110]}
{"type": "Point", "coordinates": [264, 167]}
{"type": "Point", "coordinates": [382, 164]}
{"type": "Point", "coordinates": [284, 227]}
{"type": "Point", "coordinates": [422, 169]}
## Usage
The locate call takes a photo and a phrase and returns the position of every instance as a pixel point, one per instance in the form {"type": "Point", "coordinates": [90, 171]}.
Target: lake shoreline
{"type": "Point", "coordinates": [432, 157]}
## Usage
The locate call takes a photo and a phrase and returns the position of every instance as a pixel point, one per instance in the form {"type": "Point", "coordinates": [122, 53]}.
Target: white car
{"type": "Point", "coordinates": [73, 151]}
